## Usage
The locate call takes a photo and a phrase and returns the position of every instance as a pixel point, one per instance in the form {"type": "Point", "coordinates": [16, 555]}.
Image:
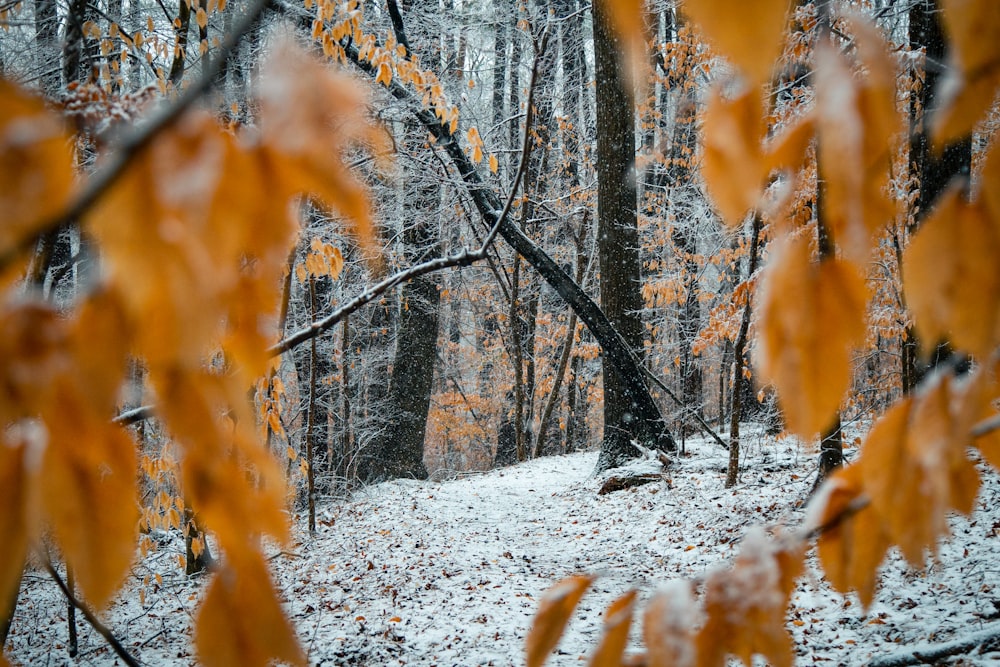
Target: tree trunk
{"type": "Point", "coordinates": [181, 25]}
{"type": "Point", "coordinates": [739, 360]}
{"type": "Point", "coordinates": [625, 419]}
{"type": "Point", "coordinates": [401, 450]}
{"type": "Point", "coordinates": [46, 45]}
{"type": "Point", "coordinates": [930, 171]}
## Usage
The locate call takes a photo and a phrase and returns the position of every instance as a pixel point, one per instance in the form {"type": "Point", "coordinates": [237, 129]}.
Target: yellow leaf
{"type": "Point", "coordinates": [733, 165]}
{"type": "Point", "coordinates": [614, 636]}
{"type": "Point", "coordinates": [750, 36]}
{"type": "Point", "coordinates": [227, 633]}
{"type": "Point", "coordinates": [384, 75]}
{"type": "Point", "coordinates": [810, 317]}
{"type": "Point", "coordinates": [787, 151]}
{"type": "Point", "coordinates": [36, 165]}
{"type": "Point", "coordinates": [853, 542]}
{"type": "Point", "coordinates": [950, 277]}
{"type": "Point", "coordinates": [554, 609]}
{"type": "Point", "coordinates": [968, 90]}
{"type": "Point", "coordinates": [914, 469]}
{"type": "Point", "coordinates": [16, 529]}
{"type": "Point", "coordinates": [90, 497]}
{"type": "Point", "coordinates": [666, 626]}
{"type": "Point", "coordinates": [477, 154]}
{"type": "Point", "coordinates": [746, 605]}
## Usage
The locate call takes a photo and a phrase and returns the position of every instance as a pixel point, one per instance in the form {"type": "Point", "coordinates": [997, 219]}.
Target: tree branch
{"type": "Point", "coordinates": [464, 257]}
{"type": "Point", "coordinates": [137, 140]}
{"type": "Point", "coordinates": [101, 629]}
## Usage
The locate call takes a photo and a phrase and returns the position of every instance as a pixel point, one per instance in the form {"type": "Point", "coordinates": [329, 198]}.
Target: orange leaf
{"type": "Point", "coordinates": [851, 546]}
{"type": "Point", "coordinates": [15, 506]}
{"type": "Point", "coordinates": [666, 626]}
{"type": "Point", "coordinates": [746, 605]}
{"type": "Point", "coordinates": [733, 164]}
{"type": "Point", "coordinates": [978, 403]}
{"type": "Point", "coordinates": [950, 276]}
{"type": "Point", "coordinates": [973, 28]}
{"type": "Point", "coordinates": [36, 165]}
{"type": "Point", "coordinates": [750, 36]}
{"type": "Point", "coordinates": [614, 637]}
{"type": "Point", "coordinates": [494, 163]}
{"type": "Point", "coordinates": [554, 609]}
{"type": "Point", "coordinates": [227, 633]}
{"type": "Point", "coordinates": [89, 494]}
{"type": "Point", "coordinates": [810, 317]}
{"type": "Point", "coordinates": [914, 469]}
{"type": "Point", "coordinates": [300, 99]}
{"type": "Point", "coordinates": [384, 75]}
{"type": "Point", "coordinates": [788, 149]}
{"type": "Point", "coordinates": [219, 452]}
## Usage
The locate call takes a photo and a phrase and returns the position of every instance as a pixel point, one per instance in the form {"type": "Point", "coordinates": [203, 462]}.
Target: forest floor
{"type": "Point", "coordinates": [450, 573]}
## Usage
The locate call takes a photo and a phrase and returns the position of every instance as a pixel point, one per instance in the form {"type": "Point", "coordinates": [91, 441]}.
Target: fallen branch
{"type": "Point", "coordinates": [620, 483]}
{"type": "Point", "coordinates": [988, 638]}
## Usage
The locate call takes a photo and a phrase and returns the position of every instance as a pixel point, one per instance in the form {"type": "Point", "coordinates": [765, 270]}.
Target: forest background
{"type": "Point", "coordinates": [257, 271]}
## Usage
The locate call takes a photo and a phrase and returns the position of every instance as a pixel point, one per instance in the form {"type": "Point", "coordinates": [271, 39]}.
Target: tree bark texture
{"type": "Point", "coordinates": [930, 171]}
{"type": "Point", "coordinates": [626, 418]}
{"type": "Point", "coordinates": [739, 361]}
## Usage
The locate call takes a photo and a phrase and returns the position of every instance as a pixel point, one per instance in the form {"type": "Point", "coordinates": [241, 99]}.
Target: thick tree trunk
{"type": "Point", "coordinates": [46, 44]}
{"type": "Point", "coordinates": [930, 171]}
{"type": "Point", "coordinates": [401, 451]}
{"type": "Point", "coordinates": [625, 418]}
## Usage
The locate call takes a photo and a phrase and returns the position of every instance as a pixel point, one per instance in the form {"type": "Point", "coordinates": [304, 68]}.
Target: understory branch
{"type": "Point", "coordinates": [95, 622]}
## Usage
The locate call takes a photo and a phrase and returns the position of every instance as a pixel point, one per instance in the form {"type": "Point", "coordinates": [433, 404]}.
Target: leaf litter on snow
{"type": "Point", "coordinates": [451, 573]}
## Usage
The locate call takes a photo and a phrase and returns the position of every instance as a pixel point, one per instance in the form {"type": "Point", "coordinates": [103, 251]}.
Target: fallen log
{"type": "Point", "coordinates": [986, 639]}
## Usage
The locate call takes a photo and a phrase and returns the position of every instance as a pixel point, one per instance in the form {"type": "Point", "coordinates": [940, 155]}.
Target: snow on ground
{"type": "Point", "coordinates": [450, 573]}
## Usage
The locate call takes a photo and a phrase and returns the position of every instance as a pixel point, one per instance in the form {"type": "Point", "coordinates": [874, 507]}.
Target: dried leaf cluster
{"type": "Point", "coordinates": [194, 238]}
{"type": "Point", "coordinates": [916, 464]}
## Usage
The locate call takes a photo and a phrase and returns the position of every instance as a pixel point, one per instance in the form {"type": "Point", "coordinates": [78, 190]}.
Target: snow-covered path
{"type": "Point", "coordinates": [449, 573]}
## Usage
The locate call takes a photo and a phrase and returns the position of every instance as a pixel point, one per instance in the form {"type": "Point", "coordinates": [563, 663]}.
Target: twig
{"type": "Point", "coordinates": [134, 416]}
{"type": "Point", "coordinates": [95, 623]}
{"type": "Point", "coordinates": [986, 426]}
{"type": "Point", "coordinates": [694, 413]}
{"type": "Point", "coordinates": [135, 142]}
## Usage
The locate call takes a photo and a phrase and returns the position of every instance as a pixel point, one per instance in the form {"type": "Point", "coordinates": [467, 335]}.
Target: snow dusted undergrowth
{"type": "Point", "coordinates": [450, 573]}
